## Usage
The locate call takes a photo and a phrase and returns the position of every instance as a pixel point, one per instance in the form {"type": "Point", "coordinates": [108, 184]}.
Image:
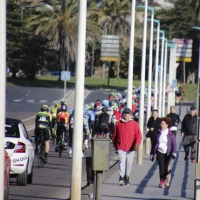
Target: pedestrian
{"type": "Point", "coordinates": [174, 120]}
{"type": "Point", "coordinates": [164, 147]}
{"type": "Point", "coordinates": [126, 140]}
{"type": "Point", "coordinates": [188, 132]}
{"type": "Point", "coordinates": [153, 125]}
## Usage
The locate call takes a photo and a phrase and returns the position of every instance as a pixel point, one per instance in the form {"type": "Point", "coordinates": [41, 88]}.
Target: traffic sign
{"type": "Point", "coordinates": [183, 59]}
{"type": "Point", "coordinates": [182, 41]}
{"type": "Point", "coordinates": [104, 49]}
{"type": "Point", "coordinates": [169, 88]}
{"type": "Point", "coordinates": [184, 55]}
{"type": "Point", "coordinates": [65, 75]}
{"type": "Point", "coordinates": [109, 58]}
{"type": "Point", "coordinates": [184, 46]}
{"type": "Point", "coordinates": [174, 83]}
{"type": "Point", "coordinates": [110, 45]}
{"type": "Point", "coordinates": [110, 41]}
{"type": "Point", "coordinates": [183, 49]}
{"type": "Point", "coordinates": [109, 54]}
{"type": "Point", "coordinates": [115, 37]}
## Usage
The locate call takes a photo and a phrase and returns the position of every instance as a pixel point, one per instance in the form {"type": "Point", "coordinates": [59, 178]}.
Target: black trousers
{"type": "Point", "coordinates": [163, 162]}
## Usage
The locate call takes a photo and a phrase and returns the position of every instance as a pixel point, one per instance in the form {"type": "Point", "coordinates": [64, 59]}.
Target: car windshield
{"type": "Point", "coordinates": [12, 130]}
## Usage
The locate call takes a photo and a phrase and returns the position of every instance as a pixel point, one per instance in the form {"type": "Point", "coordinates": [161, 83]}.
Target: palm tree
{"type": "Point", "coordinates": [112, 16]}
{"type": "Point", "coordinates": [58, 21]}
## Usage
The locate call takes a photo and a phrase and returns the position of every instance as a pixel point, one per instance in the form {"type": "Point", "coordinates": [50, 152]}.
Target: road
{"type": "Point", "coordinates": [24, 102]}
{"type": "Point", "coordinates": [53, 181]}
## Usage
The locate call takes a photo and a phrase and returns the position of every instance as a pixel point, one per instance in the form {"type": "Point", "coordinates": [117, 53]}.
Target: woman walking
{"type": "Point", "coordinates": [164, 147]}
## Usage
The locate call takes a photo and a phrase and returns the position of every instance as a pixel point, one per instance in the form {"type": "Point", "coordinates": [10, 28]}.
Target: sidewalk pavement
{"type": "Point", "coordinates": [144, 178]}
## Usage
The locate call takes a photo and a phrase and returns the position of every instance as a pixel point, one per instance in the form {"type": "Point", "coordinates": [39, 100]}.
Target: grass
{"type": "Point", "coordinates": [94, 83]}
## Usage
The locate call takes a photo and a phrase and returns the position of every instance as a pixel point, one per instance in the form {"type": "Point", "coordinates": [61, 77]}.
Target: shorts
{"type": "Point", "coordinates": [103, 128]}
{"type": "Point", "coordinates": [42, 128]}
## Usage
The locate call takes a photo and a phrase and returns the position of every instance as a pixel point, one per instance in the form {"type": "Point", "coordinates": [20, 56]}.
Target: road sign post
{"type": "Point", "coordinates": [110, 51]}
{"type": "Point", "coordinates": [65, 76]}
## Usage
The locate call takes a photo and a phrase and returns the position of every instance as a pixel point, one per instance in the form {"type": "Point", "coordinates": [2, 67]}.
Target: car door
{"type": "Point", "coordinates": [29, 145]}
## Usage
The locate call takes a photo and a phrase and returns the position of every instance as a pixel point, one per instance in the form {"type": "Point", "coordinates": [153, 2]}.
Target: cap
{"type": "Point", "coordinates": [193, 108]}
{"type": "Point", "coordinates": [127, 110]}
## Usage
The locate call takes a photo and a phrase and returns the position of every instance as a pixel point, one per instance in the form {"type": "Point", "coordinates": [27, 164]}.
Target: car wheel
{"type": "Point", "coordinates": [30, 177]}
{"type": "Point", "coordinates": [22, 178]}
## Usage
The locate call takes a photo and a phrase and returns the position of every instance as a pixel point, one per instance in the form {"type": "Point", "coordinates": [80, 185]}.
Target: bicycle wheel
{"type": "Point", "coordinates": [60, 148]}
{"type": "Point", "coordinates": [40, 156]}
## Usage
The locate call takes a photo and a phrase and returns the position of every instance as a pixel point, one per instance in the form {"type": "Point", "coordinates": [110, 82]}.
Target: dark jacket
{"type": "Point", "coordinates": [174, 118]}
{"type": "Point", "coordinates": [189, 125]}
{"type": "Point", "coordinates": [153, 124]}
{"type": "Point", "coordinates": [171, 143]}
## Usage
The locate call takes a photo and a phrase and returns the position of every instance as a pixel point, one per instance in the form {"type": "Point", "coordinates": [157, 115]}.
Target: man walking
{"type": "Point", "coordinates": [126, 140]}
{"type": "Point", "coordinates": [188, 131]}
{"type": "Point", "coordinates": [174, 120]}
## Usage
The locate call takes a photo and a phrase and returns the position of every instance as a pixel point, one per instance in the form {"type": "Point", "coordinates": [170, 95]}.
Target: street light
{"type": "Point", "coordinates": [169, 96]}
{"type": "Point", "coordinates": [161, 74]}
{"type": "Point", "coordinates": [79, 101]}
{"type": "Point", "coordinates": [156, 65]}
{"type": "Point", "coordinates": [141, 111]}
{"type": "Point", "coordinates": [2, 90]}
{"type": "Point", "coordinates": [197, 166]}
{"type": "Point", "coordinates": [149, 73]}
{"type": "Point", "coordinates": [164, 78]}
{"type": "Point", "coordinates": [131, 59]}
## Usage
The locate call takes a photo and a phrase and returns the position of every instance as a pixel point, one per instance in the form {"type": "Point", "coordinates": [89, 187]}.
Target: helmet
{"type": "Point", "coordinates": [64, 108]}
{"type": "Point", "coordinates": [44, 108]}
{"type": "Point", "coordinates": [62, 103]}
{"type": "Point", "coordinates": [104, 109]}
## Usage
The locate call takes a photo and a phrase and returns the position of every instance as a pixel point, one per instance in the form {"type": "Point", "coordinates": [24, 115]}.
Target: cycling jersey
{"type": "Point", "coordinates": [43, 117]}
{"type": "Point", "coordinates": [63, 117]}
{"type": "Point", "coordinates": [54, 112]}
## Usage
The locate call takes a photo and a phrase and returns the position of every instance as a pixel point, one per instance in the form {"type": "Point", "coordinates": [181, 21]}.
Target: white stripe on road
{"type": "Point", "coordinates": [43, 101]}
{"type": "Point", "coordinates": [30, 101]}
{"type": "Point", "coordinates": [17, 100]}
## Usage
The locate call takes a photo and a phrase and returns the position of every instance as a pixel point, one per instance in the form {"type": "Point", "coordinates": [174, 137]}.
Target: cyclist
{"type": "Point", "coordinates": [62, 122]}
{"type": "Point", "coordinates": [97, 103]}
{"type": "Point", "coordinates": [71, 129]}
{"type": "Point", "coordinates": [106, 103]}
{"type": "Point", "coordinates": [54, 118]}
{"type": "Point", "coordinates": [103, 123]}
{"type": "Point", "coordinates": [43, 123]}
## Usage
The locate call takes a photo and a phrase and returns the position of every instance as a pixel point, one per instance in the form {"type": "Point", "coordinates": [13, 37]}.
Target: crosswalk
{"type": "Point", "coordinates": [34, 101]}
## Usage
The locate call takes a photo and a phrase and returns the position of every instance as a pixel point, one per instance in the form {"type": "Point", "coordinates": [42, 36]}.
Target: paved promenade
{"type": "Point", "coordinates": [144, 178]}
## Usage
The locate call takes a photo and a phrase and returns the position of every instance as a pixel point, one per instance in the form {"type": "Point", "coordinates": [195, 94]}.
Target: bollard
{"type": "Point", "coordinates": [148, 145]}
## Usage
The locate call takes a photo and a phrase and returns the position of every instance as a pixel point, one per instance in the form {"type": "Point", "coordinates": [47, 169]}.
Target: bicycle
{"type": "Point", "coordinates": [61, 142]}
{"type": "Point", "coordinates": [41, 150]}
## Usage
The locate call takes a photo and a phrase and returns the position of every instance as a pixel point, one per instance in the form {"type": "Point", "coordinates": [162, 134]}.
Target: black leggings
{"type": "Point", "coordinates": [163, 162]}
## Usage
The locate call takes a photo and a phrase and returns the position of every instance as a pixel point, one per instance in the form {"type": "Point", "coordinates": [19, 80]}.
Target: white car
{"type": "Point", "coordinates": [20, 150]}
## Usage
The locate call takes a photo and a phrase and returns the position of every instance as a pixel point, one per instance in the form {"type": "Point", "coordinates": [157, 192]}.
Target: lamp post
{"type": "Point", "coordinates": [156, 65]}
{"type": "Point", "coordinates": [2, 90]}
{"type": "Point", "coordinates": [164, 78]}
{"type": "Point", "coordinates": [197, 166]}
{"type": "Point", "coordinates": [169, 96]}
{"type": "Point", "coordinates": [131, 60]}
{"type": "Point", "coordinates": [149, 73]}
{"type": "Point", "coordinates": [161, 75]}
{"type": "Point", "coordinates": [141, 111]}
{"type": "Point", "coordinates": [79, 101]}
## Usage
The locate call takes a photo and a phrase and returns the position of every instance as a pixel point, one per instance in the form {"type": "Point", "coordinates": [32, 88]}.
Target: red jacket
{"type": "Point", "coordinates": [126, 135]}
